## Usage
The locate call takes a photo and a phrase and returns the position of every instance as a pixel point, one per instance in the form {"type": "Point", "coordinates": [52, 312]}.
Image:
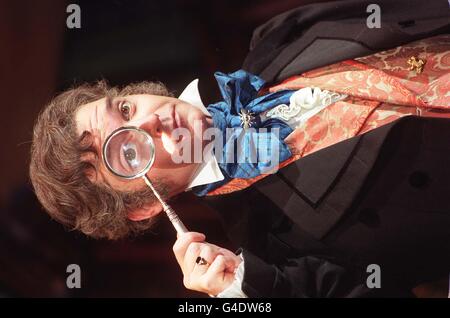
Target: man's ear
{"type": "Point", "coordinates": [145, 212]}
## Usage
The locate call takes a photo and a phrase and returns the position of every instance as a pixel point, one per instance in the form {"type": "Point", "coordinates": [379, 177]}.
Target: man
{"type": "Point", "coordinates": [82, 194]}
{"type": "Point", "coordinates": [309, 230]}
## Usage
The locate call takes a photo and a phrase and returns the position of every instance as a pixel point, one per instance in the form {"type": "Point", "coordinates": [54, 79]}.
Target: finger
{"type": "Point", "coordinates": [193, 271]}
{"type": "Point", "coordinates": [182, 243]}
{"type": "Point", "coordinates": [216, 279]}
{"type": "Point", "coordinates": [206, 251]}
{"type": "Point", "coordinates": [230, 265]}
{"type": "Point", "coordinates": [217, 267]}
{"type": "Point", "coordinates": [190, 257]}
{"type": "Point", "coordinates": [232, 260]}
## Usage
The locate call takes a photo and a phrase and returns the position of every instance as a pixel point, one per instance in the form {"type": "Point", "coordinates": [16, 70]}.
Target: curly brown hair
{"type": "Point", "coordinates": [59, 175]}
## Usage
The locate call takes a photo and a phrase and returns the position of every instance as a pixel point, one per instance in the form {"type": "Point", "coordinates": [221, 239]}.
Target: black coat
{"type": "Point", "coordinates": [317, 35]}
{"type": "Point", "coordinates": [383, 197]}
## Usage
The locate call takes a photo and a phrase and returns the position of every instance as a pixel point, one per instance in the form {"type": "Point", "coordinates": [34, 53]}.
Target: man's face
{"type": "Point", "coordinates": [159, 116]}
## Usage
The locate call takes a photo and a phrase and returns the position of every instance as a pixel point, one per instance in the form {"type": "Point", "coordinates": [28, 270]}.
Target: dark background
{"type": "Point", "coordinates": [173, 41]}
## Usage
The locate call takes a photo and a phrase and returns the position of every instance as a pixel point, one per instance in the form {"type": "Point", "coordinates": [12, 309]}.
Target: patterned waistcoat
{"type": "Point", "coordinates": [412, 79]}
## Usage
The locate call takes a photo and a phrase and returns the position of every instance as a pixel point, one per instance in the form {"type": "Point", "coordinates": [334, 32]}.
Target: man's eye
{"type": "Point", "coordinates": [125, 109]}
{"type": "Point", "coordinates": [130, 155]}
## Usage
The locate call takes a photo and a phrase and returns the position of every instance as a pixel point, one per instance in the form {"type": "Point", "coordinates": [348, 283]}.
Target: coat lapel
{"type": "Point", "coordinates": [317, 190]}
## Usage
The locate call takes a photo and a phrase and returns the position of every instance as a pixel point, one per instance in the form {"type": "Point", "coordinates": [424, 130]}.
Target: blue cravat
{"type": "Point", "coordinates": [240, 94]}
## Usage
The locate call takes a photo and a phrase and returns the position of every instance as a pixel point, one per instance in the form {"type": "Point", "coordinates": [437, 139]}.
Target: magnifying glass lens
{"type": "Point", "coordinates": [129, 152]}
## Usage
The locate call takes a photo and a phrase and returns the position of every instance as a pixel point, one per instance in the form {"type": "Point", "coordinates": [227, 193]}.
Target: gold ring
{"type": "Point", "coordinates": [201, 261]}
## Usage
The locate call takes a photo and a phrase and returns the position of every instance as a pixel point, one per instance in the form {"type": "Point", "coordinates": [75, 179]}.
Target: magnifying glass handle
{"type": "Point", "coordinates": [173, 217]}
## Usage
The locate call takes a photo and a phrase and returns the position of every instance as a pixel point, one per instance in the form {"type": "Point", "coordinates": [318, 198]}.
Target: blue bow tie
{"type": "Point", "coordinates": [240, 110]}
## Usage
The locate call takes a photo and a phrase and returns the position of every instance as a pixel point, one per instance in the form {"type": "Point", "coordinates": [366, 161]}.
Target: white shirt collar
{"type": "Point", "coordinates": [209, 170]}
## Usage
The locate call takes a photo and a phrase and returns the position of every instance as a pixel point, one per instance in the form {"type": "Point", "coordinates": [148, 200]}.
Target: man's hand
{"type": "Point", "coordinates": [216, 275]}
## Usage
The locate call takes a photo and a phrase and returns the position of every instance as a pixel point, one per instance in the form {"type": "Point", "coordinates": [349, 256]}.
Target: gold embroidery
{"type": "Point", "coordinates": [416, 64]}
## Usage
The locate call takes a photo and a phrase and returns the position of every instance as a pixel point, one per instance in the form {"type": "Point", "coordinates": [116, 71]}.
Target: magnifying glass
{"type": "Point", "coordinates": [129, 153]}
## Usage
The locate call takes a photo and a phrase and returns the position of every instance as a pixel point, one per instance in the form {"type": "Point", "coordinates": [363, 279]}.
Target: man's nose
{"type": "Point", "coordinates": [152, 125]}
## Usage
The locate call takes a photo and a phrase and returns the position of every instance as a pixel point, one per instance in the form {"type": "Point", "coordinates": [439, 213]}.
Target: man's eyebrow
{"type": "Point", "coordinates": [108, 101]}
{"type": "Point", "coordinates": [108, 109]}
